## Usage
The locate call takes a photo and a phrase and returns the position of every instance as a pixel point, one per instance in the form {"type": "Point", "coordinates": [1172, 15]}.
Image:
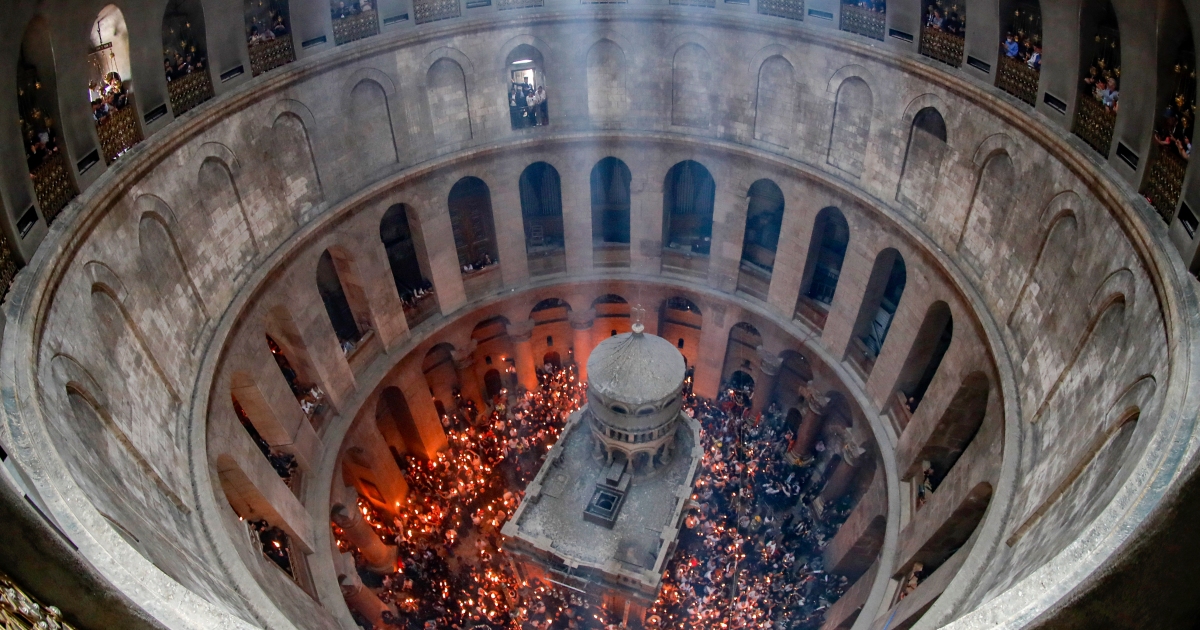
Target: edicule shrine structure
{"type": "Point", "coordinates": [603, 514]}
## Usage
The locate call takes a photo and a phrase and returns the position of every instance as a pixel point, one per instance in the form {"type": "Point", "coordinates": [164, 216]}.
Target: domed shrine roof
{"type": "Point", "coordinates": [635, 368]}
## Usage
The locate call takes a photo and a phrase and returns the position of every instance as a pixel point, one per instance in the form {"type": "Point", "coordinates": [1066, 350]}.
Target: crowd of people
{"type": "Point", "coordinates": [311, 397]}
{"type": "Point", "coordinates": [38, 132]}
{"type": "Point", "coordinates": [945, 20]}
{"type": "Point", "coordinates": [750, 557]}
{"type": "Point", "coordinates": [409, 296]}
{"type": "Point", "coordinates": [527, 105]}
{"type": "Point", "coordinates": [875, 6]}
{"type": "Point", "coordinates": [108, 96]}
{"type": "Point", "coordinates": [1104, 79]}
{"type": "Point", "coordinates": [343, 10]}
{"type": "Point", "coordinates": [267, 29]}
{"type": "Point", "coordinates": [1023, 49]}
{"type": "Point", "coordinates": [274, 542]}
{"type": "Point", "coordinates": [1175, 130]}
{"type": "Point", "coordinates": [182, 64]}
{"type": "Point", "coordinates": [478, 265]}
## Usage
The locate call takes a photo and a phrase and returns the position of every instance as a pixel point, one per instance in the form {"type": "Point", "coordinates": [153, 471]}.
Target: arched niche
{"type": "Point", "coordinates": [764, 221]}
{"type": "Point", "coordinates": [528, 104]}
{"type": "Point", "coordinates": [1020, 62]}
{"type": "Point", "coordinates": [41, 131]}
{"type": "Point", "coordinates": [689, 194]}
{"type": "Point", "coordinates": [610, 197]}
{"type": "Point", "coordinates": [741, 352]}
{"type": "Point", "coordinates": [823, 267]}
{"type": "Point", "coordinates": [110, 85]}
{"type": "Point", "coordinates": [355, 19]}
{"type": "Point", "coordinates": [470, 204]}
{"type": "Point", "coordinates": [1175, 100]}
{"type": "Point", "coordinates": [268, 34]}
{"type": "Point", "coordinates": [185, 55]}
{"type": "Point", "coordinates": [885, 287]}
{"type": "Point", "coordinates": [408, 268]}
{"type": "Point", "coordinates": [349, 324]}
{"type": "Point", "coordinates": [944, 30]}
{"type": "Point", "coordinates": [1099, 75]}
{"type": "Point", "coordinates": [925, 355]}
{"type": "Point", "coordinates": [542, 216]}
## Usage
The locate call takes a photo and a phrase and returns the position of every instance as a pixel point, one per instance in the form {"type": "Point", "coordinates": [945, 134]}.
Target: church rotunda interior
{"type": "Point", "coordinates": [645, 314]}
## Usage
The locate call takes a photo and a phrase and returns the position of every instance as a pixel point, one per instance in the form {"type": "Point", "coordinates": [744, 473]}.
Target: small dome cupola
{"type": "Point", "coordinates": [635, 392]}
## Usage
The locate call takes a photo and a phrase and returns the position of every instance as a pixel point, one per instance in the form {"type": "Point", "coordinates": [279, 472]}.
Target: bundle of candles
{"type": "Point", "coordinates": [749, 557]}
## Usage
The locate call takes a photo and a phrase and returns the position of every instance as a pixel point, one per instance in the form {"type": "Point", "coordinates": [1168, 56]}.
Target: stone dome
{"type": "Point", "coordinates": [636, 369]}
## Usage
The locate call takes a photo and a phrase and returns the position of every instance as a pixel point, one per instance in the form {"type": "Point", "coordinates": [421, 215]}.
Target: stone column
{"type": "Point", "coordinates": [839, 480]}
{"type": "Point", "coordinates": [764, 386]}
{"type": "Point", "coordinates": [468, 381]}
{"type": "Point", "coordinates": [361, 599]}
{"type": "Point", "coordinates": [810, 422]}
{"type": "Point", "coordinates": [581, 338]}
{"type": "Point", "coordinates": [521, 335]}
{"type": "Point", "coordinates": [428, 425]}
{"type": "Point", "coordinates": [378, 557]}
{"type": "Point", "coordinates": [387, 475]}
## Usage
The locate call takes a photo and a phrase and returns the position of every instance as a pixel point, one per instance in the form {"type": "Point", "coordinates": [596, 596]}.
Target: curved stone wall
{"type": "Point", "coordinates": [127, 335]}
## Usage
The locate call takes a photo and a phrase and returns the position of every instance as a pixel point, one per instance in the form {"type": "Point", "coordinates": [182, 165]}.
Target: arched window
{"type": "Point", "coordinates": [470, 204]}
{"type": "Point", "coordinates": [1100, 75]}
{"type": "Point", "coordinates": [878, 308]}
{"type": "Point", "coordinates": [353, 20]}
{"type": "Point", "coordinates": [688, 197]}
{"type": "Point", "coordinates": [185, 60]}
{"type": "Point", "coordinates": [944, 30]}
{"type": "Point", "coordinates": [1020, 65]}
{"type": "Point", "coordinates": [959, 424]}
{"type": "Point", "coordinates": [333, 294]}
{"type": "Point", "coordinates": [110, 85]}
{"type": "Point", "coordinates": [542, 214]}
{"type": "Point", "coordinates": [865, 17]}
{"type": "Point", "coordinates": [293, 364]}
{"type": "Point", "coordinates": [268, 35]}
{"type": "Point", "coordinates": [610, 213]}
{"type": "Point", "coordinates": [37, 104]}
{"type": "Point", "coordinates": [681, 320]}
{"type": "Point", "coordinates": [764, 219]}
{"type": "Point", "coordinates": [283, 463]}
{"type": "Point", "coordinates": [925, 356]}
{"type": "Point", "coordinates": [741, 350]}
{"type": "Point", "coordinates": [1176, 98]}
{"type": "Point", "coordinates": [527, 105]}
{"type": "Point", "coordinates": [416, 293]}
{"type": "Point", "coordinates": [826, 251]}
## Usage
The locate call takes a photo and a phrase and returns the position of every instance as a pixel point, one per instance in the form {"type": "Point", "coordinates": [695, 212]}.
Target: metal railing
{"type": "Point", "coordinates": [863, 22]}
{"type": "Point", "coordinates": [355, 27]}
{"type": "Point", "coordinates": [189, 90]}
{"type": "Point", "coordinates": [790, 9]}
{"type": "Point", "coordinates": [53, 185]}
{"type": "Point", "coordinates": [504, 5]}
{"type": "Point", "coordinates": [119, 131]}
{"type": "Point", "coordinates": [1017, 78]}
{"type": "Point", "coordinates": [943, 46]}
{"type": "Point", "coordinates": [1094, 123]}
{"type": "Point", "coordinates": [1164, 181]}
{"type": "Point", "coordinates": [19, 611]}
{"type": "Point", "coordinates": [434, 10]}
{"type": "Point", "coordinates": [268, 55]}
